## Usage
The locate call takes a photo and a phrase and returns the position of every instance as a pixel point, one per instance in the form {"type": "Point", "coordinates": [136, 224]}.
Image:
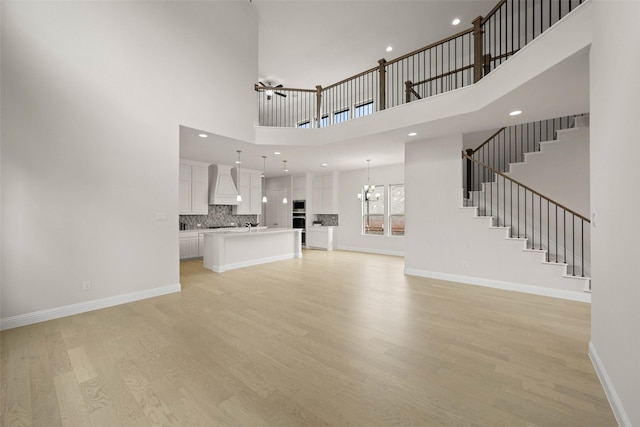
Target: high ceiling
{"type": "Point", "coordinates": [307, 43]}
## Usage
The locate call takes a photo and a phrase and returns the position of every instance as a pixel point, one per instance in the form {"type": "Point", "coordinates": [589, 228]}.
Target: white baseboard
{"type": "Point", "coordinates": [234, 265]}
{"type": "Point", "coordinates": [370, 250]}
{"type": "Point", "coordinates": [609, 389]}
{"type": "Point", "coordinates": [83, 307]}
{"type": "Point", "coordinates": [509, 286]}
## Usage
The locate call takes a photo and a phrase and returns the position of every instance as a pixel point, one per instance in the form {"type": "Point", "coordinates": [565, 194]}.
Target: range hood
{"type": "Point", "coordinates": [222, 190]}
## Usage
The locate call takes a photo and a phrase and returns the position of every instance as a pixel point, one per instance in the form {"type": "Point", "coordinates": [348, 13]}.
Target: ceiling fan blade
{"type": "Point", "coordinates": [279, 86]}
{"type": "Point", "coordinates": [262, 84]}
{"type": "Point", "coordinates": [281, 94]}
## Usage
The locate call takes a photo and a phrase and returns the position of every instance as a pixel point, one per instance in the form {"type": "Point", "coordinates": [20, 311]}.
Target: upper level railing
{"type": "Point", "coordinates": [452, 63]}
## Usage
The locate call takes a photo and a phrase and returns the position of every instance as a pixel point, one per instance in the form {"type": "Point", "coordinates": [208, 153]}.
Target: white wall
{"type": "Point", "coordinates": [92, 97]}
{"type": "Point", "coordinates": [615, 107]}
{"type": "Point", "coordinates": [350, 219]}
{"type": "Point", "coordinates": [560, 170]}
{"type": "Point", "coordinates": [445, 241]}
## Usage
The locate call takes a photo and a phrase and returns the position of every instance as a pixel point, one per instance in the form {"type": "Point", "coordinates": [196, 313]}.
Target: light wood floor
{"type": "Point", "coordinates": [334, 338]}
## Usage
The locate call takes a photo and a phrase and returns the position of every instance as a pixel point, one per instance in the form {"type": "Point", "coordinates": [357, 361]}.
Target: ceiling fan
{"type": "Point", "coordinates": [269, 90]}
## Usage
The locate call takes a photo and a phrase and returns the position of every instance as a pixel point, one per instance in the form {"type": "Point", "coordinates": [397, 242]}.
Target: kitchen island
{"type": "Point", "coordinates": [236, 248]}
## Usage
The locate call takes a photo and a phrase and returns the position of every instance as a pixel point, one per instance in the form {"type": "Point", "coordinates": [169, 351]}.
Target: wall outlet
{"type": "Point", "coordinates": [86, 285]}
{"type": "Point", "coordinates": [465, 264]}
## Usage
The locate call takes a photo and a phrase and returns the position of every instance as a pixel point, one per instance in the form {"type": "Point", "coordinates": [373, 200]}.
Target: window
{"type": "Point", "coordinates": [396, 210]}
{"type": "Point", "coordinates": [324, 122]}
{"type": "Point", "coordinates": [304, 125]}
{"type": "Point", "coordinates": [363, 109]}
{"type": "Point", "coordinates": [341, 116]}
{"type": "Point", "coordinates": [373, 210]}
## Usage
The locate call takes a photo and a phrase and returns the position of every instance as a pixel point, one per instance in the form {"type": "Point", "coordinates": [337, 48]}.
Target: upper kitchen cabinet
{"type": "Point", "coordinates": [194, 188]}
{"type": "Point", "coordinates": [325, 194]}
{"type": "Point", "coordinates": [299, 191]}
{"type": "Point", "coordinates": [249, 184]}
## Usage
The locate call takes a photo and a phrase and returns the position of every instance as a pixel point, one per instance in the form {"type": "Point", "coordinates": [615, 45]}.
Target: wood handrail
{"type": "Point", "coordinates": [370, 70]}
{"type": "Point", "coordinates": [493, 11]}
{"type": "Point", "coordinates": [432, 45]}
{"type": "Point", "coordinates": [488, 140]}
{"type": "Point", "coordinates": [542, 196]}
{"type": "Point", "coordinates": [504, 55]}
{"type": "Point", "coordinates": [439, 76]}
{"type": "Point", "coordinates": [280, 89]}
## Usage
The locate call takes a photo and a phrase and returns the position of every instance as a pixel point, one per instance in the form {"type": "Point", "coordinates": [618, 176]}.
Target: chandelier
{"type": "Point", "coordinates": [369, 191]}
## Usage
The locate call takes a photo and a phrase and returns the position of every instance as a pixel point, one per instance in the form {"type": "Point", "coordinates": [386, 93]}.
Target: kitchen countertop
{"type": "Point", "coordinates": [246, 231]}
{"type": "Point", "coordinates": [223, 229]}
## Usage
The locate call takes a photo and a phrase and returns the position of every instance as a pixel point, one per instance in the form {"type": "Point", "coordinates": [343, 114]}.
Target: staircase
{"type": "Point", "coordinates": [510, 190]}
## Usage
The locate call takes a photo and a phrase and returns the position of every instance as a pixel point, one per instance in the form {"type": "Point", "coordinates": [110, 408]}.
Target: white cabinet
{"type": "Point", "coordinates": [200, 244]}
{"type": "Point", "coordinates": [299, 191]}
{"type": "Point", "coordinates": [189, 244]}
{"type": "Point", "coordinates": [325, 194]}
{"type": "Point", "coordinates": [194, 188]}
{"type": "Point", "coordinates": [249, 184]}
{"type": "Point", "coordinates": [321, 238]}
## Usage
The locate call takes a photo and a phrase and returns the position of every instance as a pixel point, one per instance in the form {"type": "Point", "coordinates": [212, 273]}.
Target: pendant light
{"type": "Point", "coordinates": [238, 162]}
{"type": "Point", "coordinates": [264, 178]}
{"type": "Point", "coordinates": [369, 190]}
{"type": "Point", "coordinates": [284, 199]}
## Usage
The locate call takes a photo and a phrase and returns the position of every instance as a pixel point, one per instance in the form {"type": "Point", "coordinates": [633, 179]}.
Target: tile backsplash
{"type": "Point", "coordinates": [219, 216]}
{"type": "Point", "coordinates": [328, 219]}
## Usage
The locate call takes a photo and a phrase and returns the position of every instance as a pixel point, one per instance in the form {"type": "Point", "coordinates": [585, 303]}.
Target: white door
{"type": "Point", "coordinates": [276, 215]}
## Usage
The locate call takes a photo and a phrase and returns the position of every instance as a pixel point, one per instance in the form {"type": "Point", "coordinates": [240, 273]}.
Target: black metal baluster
{"type": "Point", "coordinates": [518, 211]}
{"type": "Point", "coordinates": [573, 241]}
{"type": "Point", "coordinates": [540, 215]}
{"type": "Point", "coordinates": [556, 221]}
{"type": "Point", "coordinates": [511, 209]}
{"type": "Point", "coordinates": [564, 232]}
{"type": "Point", "coordinates": [582, 244]}
{"type": "Point", "coordinates": [497, 200]}
{"type": "Point", "coordinates": [525, 213]}
{"type": "Point", "coordinates": [533, 222]}
{"type": "Point", "coordinates": [548, 226]}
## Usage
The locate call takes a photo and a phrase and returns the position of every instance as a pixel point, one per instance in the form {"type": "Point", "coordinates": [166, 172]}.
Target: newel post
{"type": "Point", "coordinates": [469, 173]}
{"type": "Point", "coordinates": [407, 91]}
{"type": "Point", "coordinates": [383, 83]}
{"type": "Point", "coordinates": [318, 106]}
{"type": "Point", "coordinates": [478, 60]}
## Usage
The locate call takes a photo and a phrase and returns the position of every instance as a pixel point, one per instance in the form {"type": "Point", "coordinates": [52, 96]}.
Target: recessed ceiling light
{"type": "Point", "coordinates": [277, 153]}
{"type": "Point", "coordinates": [456, 21]}
{"type": "Point", "coordinates": [203, 135]}
{"type": "Point", "coordinates": [515, 113]}
{"type": "Point", "coordinates": [413, 134]}
{"type": "Point", "coordinates": [324, 165]}
{"type": "Point", "coordinates": [389, 48]}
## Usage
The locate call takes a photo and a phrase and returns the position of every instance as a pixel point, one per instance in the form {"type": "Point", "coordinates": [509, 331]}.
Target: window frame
{"type": "Point", "coordinates": [340, 111]}
{"type": "Point", "coordinates": [362, 104]}
{"type": "Point", "coordinates": [391, 215]}
{"type": "Point", "coordinates": [364, 215]}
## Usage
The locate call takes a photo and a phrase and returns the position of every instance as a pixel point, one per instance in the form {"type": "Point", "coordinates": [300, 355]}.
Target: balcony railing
{"type": "Point", "coordinates": [449, 64]}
